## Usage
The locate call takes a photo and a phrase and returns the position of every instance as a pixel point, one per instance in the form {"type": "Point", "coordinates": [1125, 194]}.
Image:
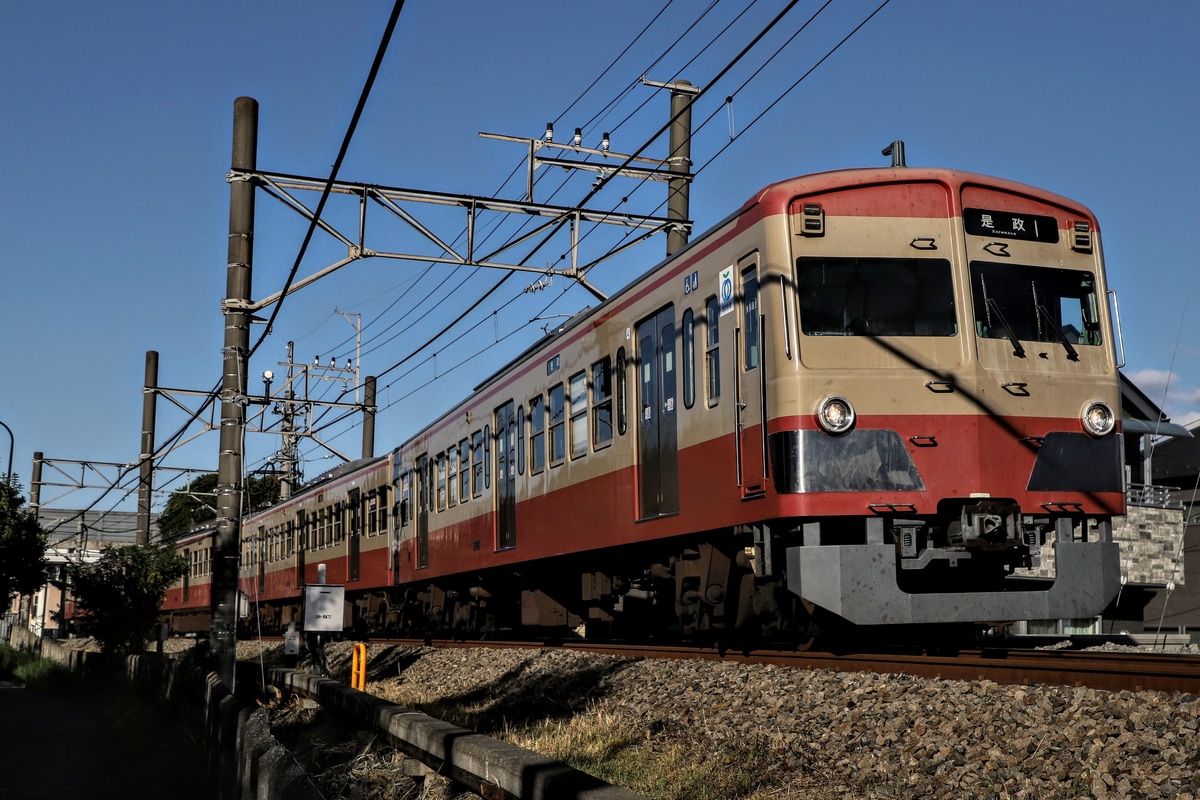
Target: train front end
{"type": "Point", "coordinates": [950, 411]}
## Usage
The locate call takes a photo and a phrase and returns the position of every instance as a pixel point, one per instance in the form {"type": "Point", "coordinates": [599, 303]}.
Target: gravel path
{"type": "Point", "coordinates": [819, 733]}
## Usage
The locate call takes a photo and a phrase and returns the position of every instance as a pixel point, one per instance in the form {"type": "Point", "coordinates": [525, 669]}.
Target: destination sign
{"type": "Point", "coordinates": [1010, 225]}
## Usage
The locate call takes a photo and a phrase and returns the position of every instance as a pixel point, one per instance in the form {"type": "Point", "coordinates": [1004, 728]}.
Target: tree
{"type": "Point", "coordinates": [195, 504]}
{"type": "Point", "coordinates": [117, 598]}
{"type": "Point", "coordinates": [189, 507]}
{"type": "Point", "coordinates": [23, 561]}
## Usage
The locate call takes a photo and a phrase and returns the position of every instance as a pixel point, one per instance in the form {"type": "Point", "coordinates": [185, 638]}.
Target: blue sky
{"type": "Point", "coordinates": [116, 140]}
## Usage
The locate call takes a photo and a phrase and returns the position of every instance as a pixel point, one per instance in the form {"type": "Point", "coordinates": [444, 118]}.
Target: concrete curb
{"type": "Point", "coordinates": [493, 768]}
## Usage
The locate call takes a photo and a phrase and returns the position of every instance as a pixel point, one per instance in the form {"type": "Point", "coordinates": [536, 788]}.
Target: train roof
{"type": "Point", "coordinates": [340, 470]}
{"type": "Point", "coordinates": [818, 182]}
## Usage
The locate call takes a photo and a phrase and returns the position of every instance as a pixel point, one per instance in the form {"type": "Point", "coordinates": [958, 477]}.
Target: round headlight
{"type": "Point", "coordinates": [1098, 419]}
{"type": "Point", "coordinates": [835, 415]}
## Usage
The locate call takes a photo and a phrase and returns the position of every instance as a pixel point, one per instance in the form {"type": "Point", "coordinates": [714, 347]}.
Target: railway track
{"type": "Point", "coordinates": [1112, 671]}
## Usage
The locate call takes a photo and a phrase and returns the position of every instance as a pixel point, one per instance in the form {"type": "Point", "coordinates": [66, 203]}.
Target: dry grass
{"type": "Point", "coordinates": [657, 760]}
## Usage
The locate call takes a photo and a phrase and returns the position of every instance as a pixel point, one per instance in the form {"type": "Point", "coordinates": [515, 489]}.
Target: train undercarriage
{"type": "Point", "coordinates": [788, 581]}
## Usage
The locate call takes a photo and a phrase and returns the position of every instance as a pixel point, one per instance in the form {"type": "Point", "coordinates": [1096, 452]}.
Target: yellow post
{"type": "Point", "coordinates": [358, 668]}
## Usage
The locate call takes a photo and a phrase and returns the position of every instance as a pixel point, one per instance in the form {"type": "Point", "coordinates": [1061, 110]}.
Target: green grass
{"type": "Point", "coordinates": [31, 670]}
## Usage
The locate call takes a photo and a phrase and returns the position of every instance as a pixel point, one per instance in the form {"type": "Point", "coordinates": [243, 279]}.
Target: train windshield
{"type": "Point", "coordinates": [1035, 304]}
{"type": "Point", "coordinates": [876, 297]}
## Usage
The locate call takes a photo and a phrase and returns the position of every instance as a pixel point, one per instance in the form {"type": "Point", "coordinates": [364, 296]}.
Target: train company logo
{"type": "Point", "coordinates": [726, 290]}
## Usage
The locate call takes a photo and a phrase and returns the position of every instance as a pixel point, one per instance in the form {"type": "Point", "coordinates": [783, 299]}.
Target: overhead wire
{"type": "Point", "coordinates": [720, 74]}
{"type": "Point", "coordinates": [595, 81]}
{"type": "Point", "coordinates": [373, 73]}
{"type": "Point", "coordinates": [476, 304]}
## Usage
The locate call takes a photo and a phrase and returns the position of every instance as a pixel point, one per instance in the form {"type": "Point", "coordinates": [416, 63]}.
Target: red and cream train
{"type": "Point", "coordinates": [877, 392]}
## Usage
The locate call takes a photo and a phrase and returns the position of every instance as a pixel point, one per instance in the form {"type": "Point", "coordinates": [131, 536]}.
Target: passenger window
{"type": "Point", "coordinates": [689, 359]}
{"type": "Point", "coordinates": [712, 353]}
{"type": "Point", "coordinates": [579, 410]}
{"type": "Point", "coordinates": [464, 471]}
{"type": "Point", "coordinates": [452, 477]}
{"type": "Point", "coordinates": [558, 438]}
{"type": "Point", "coordinates": [477, 463]}
{"type": "Point", "coordinates": [602, 429]}
{"type": "Point", "coordinates": [520, 440]}
{"type": "Point", "coordinates": [537, 434]}
{"type": "Point", "coordinates": [441, 482]}
{"type": "Point", "coordinates": [622, 420]}
{"type": "Point", "coordinates": [487, 457]}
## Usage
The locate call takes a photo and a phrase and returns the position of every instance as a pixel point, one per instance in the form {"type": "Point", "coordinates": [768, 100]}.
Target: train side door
{"type": "Point", "coordinates": [353, 540]}
{"type": "Point", "coordinates": [301, 545]}
{"type": "Point", "coordinates": [751, 437]}
{"type": "Point", "coordinates": [402, 513]}
{"type": "Point", "coordinates": [423, 478]}
{"type": "Point", "coordinates": [506, 476]}
{"type": "Point", "coordinates": [262, 559]}
{"type": "Point", "coordinates": [658, 443]}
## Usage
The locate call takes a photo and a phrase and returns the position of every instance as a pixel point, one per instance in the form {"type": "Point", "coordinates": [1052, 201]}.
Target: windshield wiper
{"type": "Point", "coordinates": [1072, 353]}
{"type": "Point", "coordinates": [1018, 349]}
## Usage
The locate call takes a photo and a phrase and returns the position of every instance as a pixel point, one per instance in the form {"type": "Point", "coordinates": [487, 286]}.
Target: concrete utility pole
{"type": "Point", "coordinates": [368, 440]}
{"type": "Point", "coordinates": [680, 162]}
{"type": "Point", "coordinates": [227, 542]}
{"type": "Point", "coordinates": [146, 455]}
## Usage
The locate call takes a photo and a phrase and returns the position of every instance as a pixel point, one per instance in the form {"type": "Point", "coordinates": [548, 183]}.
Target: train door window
{"type": "Point", "coordinates": [750, 318]}
{"type": "Point", "coordinates": [477, 464]}
{"type": "Point", "coordinates": [579, 415]}
{"type": "Point", "coordinates": [602, 429]}
{"type": "Point", "coordinates": [558, 431]}
{"type": "Point", "coordinates": [452, 477]}
{"type": "Point", "coordinates": [689, 359]}
{"type": "Point", "coordinates": [520, 440]}
{"type": "Point", "coordinates": [429, 486]}
{"type": "Point", "coordinates": [537, 434]}
{"type": "Point", "coordinates": [506, 476]}
{"type": "Point", "coordinates": [622, 419]}
{"type": "Point", "coordinates": [441, 482]}
{"type": "Point", "coordinates": [464, 471]}
{"type": "Point", "coordinates": [712, 350]}
{"type": "Point", "coordinates": [354, 510]}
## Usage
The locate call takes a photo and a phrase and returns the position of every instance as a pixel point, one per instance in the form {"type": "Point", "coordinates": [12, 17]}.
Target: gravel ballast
{"type": "Point", "coordinates": [820, 733]}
